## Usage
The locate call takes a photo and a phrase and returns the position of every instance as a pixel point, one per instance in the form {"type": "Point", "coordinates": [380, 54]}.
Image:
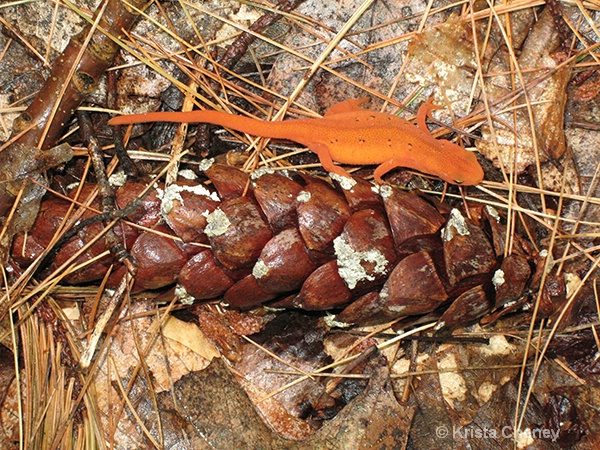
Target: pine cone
{"type": "Point", "coordinates": [296, 241]}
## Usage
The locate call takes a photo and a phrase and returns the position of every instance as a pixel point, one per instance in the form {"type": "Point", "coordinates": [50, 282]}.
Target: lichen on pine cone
{"type": "Point", "coordinates": [294, 240]}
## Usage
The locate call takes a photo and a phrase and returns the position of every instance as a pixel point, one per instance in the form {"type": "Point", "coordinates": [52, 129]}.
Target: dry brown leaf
{"type": "Point", "coordinates": [511, 144]}
{"type": "Point", "coordinates": [445, 56]}
{"type": "Point", "coordinates": [191, 336]}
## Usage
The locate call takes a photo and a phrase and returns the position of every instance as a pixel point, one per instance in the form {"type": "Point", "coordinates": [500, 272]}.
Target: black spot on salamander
{"type": "Point", "coordinates": [389, 142]}
{"type": "Point", "coordinates": [361, 141]}
{"type": "Point", "coordinates": [333, 141]}
{"type": "Point", "coordinates": [410, 146]}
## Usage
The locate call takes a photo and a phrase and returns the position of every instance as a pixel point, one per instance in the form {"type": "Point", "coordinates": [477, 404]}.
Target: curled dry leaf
{"type": "Point", "coordinates": [189, 334]}
{"type": "Point", "coordinates": [445, 55]}
{"type": "Point", "coordinates": [511, 143]}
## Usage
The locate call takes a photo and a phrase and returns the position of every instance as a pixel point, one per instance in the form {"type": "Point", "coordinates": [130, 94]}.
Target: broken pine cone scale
{"type": "Point", "coordinates": [291, 239]}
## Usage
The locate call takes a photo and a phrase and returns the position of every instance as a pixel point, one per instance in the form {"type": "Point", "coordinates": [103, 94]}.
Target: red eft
{"type": "Point", "coordinates": [349, 134]}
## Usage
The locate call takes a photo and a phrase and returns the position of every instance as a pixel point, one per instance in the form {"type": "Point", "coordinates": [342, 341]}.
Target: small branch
{"type": "Point", "coordinates": [239, 47]}
{"type": "Point", "coordinates": [75, 74]}
{"type": "Point", "coordinates": [106, 191]}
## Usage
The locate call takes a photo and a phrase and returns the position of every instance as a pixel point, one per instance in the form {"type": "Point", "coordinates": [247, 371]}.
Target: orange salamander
{"type": "Point", "coordinates": [349, 134]}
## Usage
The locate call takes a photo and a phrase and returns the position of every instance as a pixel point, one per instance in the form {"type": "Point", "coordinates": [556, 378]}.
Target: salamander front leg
{"type": "Point", "coordinates": [322, 151]}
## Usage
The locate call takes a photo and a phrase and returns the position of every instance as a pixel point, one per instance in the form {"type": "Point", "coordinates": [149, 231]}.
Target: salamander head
{"type": "Point", "coordinates": [458, 166]}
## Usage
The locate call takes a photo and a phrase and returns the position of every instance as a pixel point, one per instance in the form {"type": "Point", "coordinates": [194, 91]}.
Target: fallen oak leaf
{"type": "Point", "coordinates": [191, 336]}
{"type": "Point", "coordinates": [224, 416]}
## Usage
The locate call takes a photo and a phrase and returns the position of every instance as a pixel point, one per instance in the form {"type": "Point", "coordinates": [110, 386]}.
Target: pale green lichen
{"type": "Point", "coordinates": [350, 262]}
{"type": "Point", "coordinates": [346, 183]}
{"type": "Point", "coordinates": [188, 174]}
{"type": "Point", "coordinates": [173, 193]}
{"type": "Point", "coordinates": [498, 278]}
{"type": "Point", "coordinates": [182, 295]}
{"type": "Point", "coordinates": [206, 164]}
{"type": "Point", "coordinates": [217, 223]}
{"type": "Point", "coordinates": [262, 170]}
{"type": "Point", "coordinates": [260, 269]}
{"type": "Point", "coordinates": [331, 321]}
{"type": "Point", "coordinates": [456, 224]}
{"type": "Point", "coordinates": [385, 191]}
{"type": "Point", "coordinates": [303, 196]}
{"type": "Point", "coordinates": [117, 179]}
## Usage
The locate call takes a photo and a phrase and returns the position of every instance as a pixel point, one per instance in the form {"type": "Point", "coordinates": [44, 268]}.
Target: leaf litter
{"type": "Point", "coordinates": [537, 319]}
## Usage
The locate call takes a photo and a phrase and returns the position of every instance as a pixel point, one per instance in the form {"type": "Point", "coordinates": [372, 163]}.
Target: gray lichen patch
{"type": "Point", "coordinates": [498, 278]}
{"type": "Point", "coordinates": [385, 191]}
{"type": "Point", "coordinates": [217, 223]}
{"type": "Point", "coordinates": [206, 164]}
{"type": "Point", "coordinates": [183, 296]}
{"type": "Point", "coordinates": [117, 179]}
{"type": "Point", "coordinates": [331, 321]}
{"type": "Point", "coordinates": [456, 224]}
{"type": "Point", "coordinates": [173, 193]}
{"type": "Point", "coordinates": [303, 196]}
{"type": "Point", "coordinates": [262, 170]}
{"type": "Point", "coordinates": [493, 212]}
{"type": "Point", "coordinates": [350, 262]}
{"type": "Point", "coordinates": [260, 269]}
{"type": "Point", "coordinates": [346, 183]}
{"type": "Point", "coordinates": [188, 174]}
{"type": "Point", "coordinates": [396, 309]}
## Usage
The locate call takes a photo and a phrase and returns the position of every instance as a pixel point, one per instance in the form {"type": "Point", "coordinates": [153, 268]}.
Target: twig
{"type": "Point", "coordinates": [239, 47]}
{"type": "Point", "coordinates": [75, 74]}
{"type": "Point", "coordinates": [106, 192]}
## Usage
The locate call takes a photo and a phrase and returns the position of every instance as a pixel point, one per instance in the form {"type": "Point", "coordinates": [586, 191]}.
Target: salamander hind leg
{"type": "Point", "coordinates": [424, 112]}
{"type": "Point", "coordinates": [386, 167]}
{"type": "Point", "coordinates": [322, 151]}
